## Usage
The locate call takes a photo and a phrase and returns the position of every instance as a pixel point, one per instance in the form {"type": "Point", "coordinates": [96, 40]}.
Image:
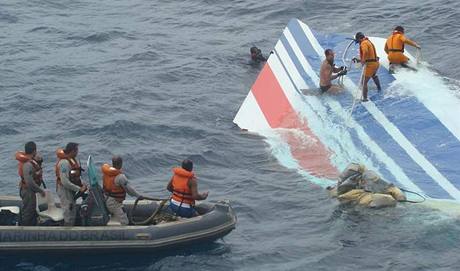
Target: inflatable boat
{"type": "Point", "coordinates": [153, 226]}
{"type": "Point", "coordinates": [405, 133]}
{"type": "Point", "coordinates": [215, 221]}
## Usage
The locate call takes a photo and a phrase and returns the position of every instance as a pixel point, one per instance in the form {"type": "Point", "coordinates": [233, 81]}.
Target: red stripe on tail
{"type": "Point", "coordinates": [305, 146]}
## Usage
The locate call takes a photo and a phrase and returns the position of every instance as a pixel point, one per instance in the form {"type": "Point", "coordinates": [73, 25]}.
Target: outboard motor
{"type": "Point", "coordinates": [93, 211]}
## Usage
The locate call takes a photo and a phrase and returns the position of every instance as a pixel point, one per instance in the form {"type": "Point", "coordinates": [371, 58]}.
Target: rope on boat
{"type": "Point", "coordinates": [150, 219]}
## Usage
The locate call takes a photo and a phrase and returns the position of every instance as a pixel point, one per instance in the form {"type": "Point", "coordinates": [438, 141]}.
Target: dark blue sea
{"type": "Point", "coordinates": [160, 81]}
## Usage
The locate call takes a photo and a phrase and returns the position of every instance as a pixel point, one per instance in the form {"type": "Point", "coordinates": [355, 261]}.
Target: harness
{"type": "Point", "coordinates": [392, 44]}
{"type": "Point", "coordinates": [375, 58]}
{"type": "Point", "coordinates": [183, 196]}
{"type": "Point", "coordinates": [117, 195]}
{"type": "Point", "coordinates": [74, 174]}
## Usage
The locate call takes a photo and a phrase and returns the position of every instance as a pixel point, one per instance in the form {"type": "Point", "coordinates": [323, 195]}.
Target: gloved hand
{"type": "Point", "coordinates": [342, 68]}
{"type": "Point", "coordinates": [342, 73]}
{"type": "Point", "coordinates": [355, 60]}
{"type": "Point", "coordinates": [418, 46]}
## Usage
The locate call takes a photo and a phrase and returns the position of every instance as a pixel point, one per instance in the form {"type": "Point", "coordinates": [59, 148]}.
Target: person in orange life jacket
{"type": "Point", "coordinates": [394, 47]}
{"type": "Point", "coordinates": [30, 172]}
{"type": "Point", "coordinates": [116, 187]}
{"type": "Point", "coordinates": [184, 188]}
{"type": "Point", "coordinates": [370, 61]}
{"type": "Point", "coordinates": [68, 182]}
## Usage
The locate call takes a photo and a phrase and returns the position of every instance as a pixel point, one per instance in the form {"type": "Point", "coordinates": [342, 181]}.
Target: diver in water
{"type": "Point", "coordinates": [370, 61]}
{"type": "Point", "coordinates": [394, 47]}
{"type": "Point", "coordinates": [256, 55]}
{"type": "Point", "coordinates": [329, 72]}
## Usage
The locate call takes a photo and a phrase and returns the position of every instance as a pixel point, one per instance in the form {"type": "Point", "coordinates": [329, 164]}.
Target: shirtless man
{"type": "Point", "coordinates": [329, 72]}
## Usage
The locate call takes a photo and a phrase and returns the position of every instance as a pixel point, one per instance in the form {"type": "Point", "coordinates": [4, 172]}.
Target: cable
{"type": "Point", "coordinates": [149, 220]}
{"type": "Point", "coordinates": [418, 56]}
{"type": "Point", "coordinates": [415, 193]}
{"type": "Point", "coordinates": [354, 95]}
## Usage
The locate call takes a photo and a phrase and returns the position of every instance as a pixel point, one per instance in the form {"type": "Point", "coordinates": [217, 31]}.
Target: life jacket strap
{"type": "Point", "coordinates": [183, 195]}
{"type": "Point", "coordinates": [372, 60]}
{"type": "Point", "coordinates": [119, 195]}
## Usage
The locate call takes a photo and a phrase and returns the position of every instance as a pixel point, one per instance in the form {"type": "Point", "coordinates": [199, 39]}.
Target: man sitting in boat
{"type": "Point", "coordinates": [329, 72]}
{"type": "Point", "coordinates": [68, 182]}
{"type": "Point", "coordinates": [357, 185]}
{"type": "Point", "coordinates": [115, 185]}
{"type": "Point", "coordinates": [394, 47]}
{"type": "Point", "coordinates": [184, 188]}
{"type": "Point", "coordinates": [30, 172]}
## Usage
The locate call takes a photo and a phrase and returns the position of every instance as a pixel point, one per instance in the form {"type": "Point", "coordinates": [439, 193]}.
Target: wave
{"type": "Point", "coordinates": [101, 37]}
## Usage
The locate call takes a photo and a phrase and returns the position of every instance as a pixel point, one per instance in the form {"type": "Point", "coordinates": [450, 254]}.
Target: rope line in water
{"type": "Point", "coordinates": [415, 193]}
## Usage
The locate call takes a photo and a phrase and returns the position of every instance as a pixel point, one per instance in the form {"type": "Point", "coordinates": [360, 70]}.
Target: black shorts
{"type": "Point", "coordinates": [324, 88]}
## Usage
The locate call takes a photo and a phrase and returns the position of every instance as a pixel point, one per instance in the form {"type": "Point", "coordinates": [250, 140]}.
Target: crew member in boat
{"type": "Point", "coordinates": [116, 186]}
{"type": "Point", "coordinates": [329, 72]}
{"type": "Point", "coordinates": [184, 188]}
{"type": "Point", "coordinates": [68, 181]}
{"type": "Point", "coordinates": [370, 61]}
{"type": "Point", "coordinates": [30, 172]}
{"type": "Point", "coordinates": [394, 47]}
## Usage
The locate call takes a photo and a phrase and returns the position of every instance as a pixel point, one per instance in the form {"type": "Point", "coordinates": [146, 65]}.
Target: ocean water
{"type": "Point", "coordinates": [160, 81]}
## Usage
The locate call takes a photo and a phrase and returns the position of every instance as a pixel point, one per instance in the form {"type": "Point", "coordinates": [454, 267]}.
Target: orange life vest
{"type": "Point", "coordinates": [108, 176]}
{"type": "Point", "coordinates": [37, 174]}
{"type": "Point", "coordinates": [181, 189]}
{"type": "Point", "coordinates": [395, 42]}
{"type": "Point", "coordinates": [75, 169]}
{"type": "Point", "coordinates": [371, 55]}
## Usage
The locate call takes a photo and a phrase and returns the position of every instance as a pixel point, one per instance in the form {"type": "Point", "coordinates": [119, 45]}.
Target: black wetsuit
{"type": "Point", "coordinates": [258, 58]}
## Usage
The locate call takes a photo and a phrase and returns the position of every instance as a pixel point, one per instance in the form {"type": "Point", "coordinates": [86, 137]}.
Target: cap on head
{"type": "Point", "coordinates": [30, 147]}
{"type": "Point", "coordinates": [117, 162]}
{"type": "Point", "coordinates": [359, 36]}
{"type": "Point", "coordinates": [187, 165]}
{"type": "Point", "coordinates": [399, 28]}
{"type": "Point", "coordinates": [71, 146]}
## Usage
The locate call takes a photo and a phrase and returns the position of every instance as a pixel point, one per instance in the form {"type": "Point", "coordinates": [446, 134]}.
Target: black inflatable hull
{"type": "Point", "coordinates": [218, 220]}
